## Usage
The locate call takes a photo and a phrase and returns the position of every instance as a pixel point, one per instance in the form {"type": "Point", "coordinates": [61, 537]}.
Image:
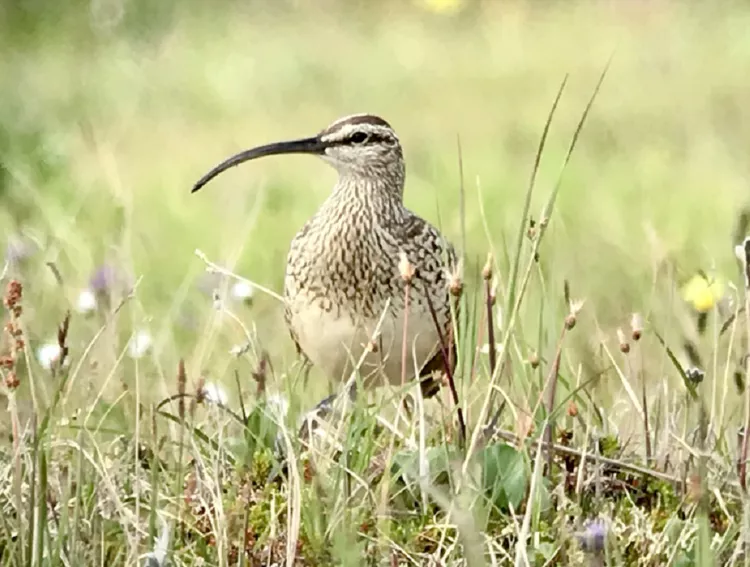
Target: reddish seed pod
{"type": "Point", "coordinates": [572, 409]}
{"type": "Point", "coordinates": [622, 339]}
{"type": "Point", "coordinates": [11, 381]}
{"type": "Point", "coordinates": [636, 326]}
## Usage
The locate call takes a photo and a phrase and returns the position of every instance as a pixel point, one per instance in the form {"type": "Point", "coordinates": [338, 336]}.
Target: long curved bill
{"type": "Point", "coordinates": [301, 146]}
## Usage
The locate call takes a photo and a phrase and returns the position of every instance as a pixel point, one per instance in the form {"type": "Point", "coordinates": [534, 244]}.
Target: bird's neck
{"type": "Point", "coordinates": [378, 196]}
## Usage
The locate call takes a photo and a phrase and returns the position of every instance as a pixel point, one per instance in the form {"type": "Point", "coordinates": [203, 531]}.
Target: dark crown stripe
{"type": "Point", "coordinates": [368, 119]}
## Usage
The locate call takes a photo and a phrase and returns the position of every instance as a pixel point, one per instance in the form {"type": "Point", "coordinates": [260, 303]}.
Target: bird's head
{"type": "Point", "coordinates": [361, 145]}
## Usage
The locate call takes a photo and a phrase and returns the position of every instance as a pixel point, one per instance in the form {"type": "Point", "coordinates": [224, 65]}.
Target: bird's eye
{"type": "Point", "coordinates": [359, 137]}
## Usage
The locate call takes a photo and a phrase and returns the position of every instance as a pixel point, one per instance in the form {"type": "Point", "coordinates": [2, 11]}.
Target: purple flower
{"type": "Point", "coordinates": [104, 279]}
{"type": "Point", "coordinates": [594, 536]}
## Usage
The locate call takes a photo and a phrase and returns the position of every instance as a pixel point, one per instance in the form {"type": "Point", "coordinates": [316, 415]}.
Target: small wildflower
{"type": "Point", "coordinates": [636, 326]}
{"type": "Point", "coordinates": [703, 292]}
{"type": "Point", "coordinates": [157, 557]}
{"type": "Point", "coordinates": [214, 394]}
{"type": "Point", "coordinates": [139, 344]}
{"type": "Point", "coordinates": [242, 291]}
{"type": "Point", "coordinates": [6, 362]}
{"type": "Point", "coordinates": [594, 536]}
{"type": "Point", "coordinates": [405, 268]}
{"type": "Point", "coordinates": [48, 354]}
{"type": "Point", "coordinates": [86, 302]}
{"type": "Point", "coordinates": [623, 341]}
{"type": "Point", "coordinates": [103, 279]}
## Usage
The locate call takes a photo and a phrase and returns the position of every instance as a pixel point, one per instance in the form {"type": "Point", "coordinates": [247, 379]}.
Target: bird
{"type": "Point", "coordinates": [346, 265]}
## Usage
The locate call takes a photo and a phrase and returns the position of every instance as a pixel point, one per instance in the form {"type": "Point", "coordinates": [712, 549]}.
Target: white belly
{"type": "Point", "coordinates": [336, 344]}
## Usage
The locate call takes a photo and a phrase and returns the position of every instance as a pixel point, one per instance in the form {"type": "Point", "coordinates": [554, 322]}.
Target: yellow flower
{"type": "Point", "coordinates": [703, 292]}
{"type": "Point", "coordinates": [443, 6]}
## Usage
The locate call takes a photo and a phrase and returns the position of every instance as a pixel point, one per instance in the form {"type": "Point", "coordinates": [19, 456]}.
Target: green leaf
{"type": "Point", "coordinates": [504, 475]}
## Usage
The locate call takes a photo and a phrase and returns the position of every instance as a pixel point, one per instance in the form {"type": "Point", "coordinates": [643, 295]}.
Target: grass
{"type": "Point", "coordinates": [160, 429]}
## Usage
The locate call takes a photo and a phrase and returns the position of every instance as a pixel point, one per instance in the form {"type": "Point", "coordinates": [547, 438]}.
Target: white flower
{"type": "Point", "coordinates": [86, 302]}
{"type": "Point", "coordinates": [243, 291]}
{"type": "Point", "coordinates": [161, 545]}
{"type": "Point", "coordinates": [215, 394]}
{"type": "Point", "coordinates": [139, 344]}
{"type": "Point", "coordinates": [48, 354]}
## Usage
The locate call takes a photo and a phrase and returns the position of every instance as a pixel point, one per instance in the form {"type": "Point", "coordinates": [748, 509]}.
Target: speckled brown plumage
{"type": "Point", "coordinates": [343, 265]}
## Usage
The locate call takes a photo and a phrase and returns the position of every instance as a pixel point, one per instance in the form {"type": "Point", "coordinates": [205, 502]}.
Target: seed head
{"type": "Point", "coordinates": [570, 321]}
{"type": "Point", "coordinates": [11, 381]}
{"type": "Point", "coordinates": [636, 326]}
{"type": "Point", "coordinates": [13, 295]}
{"type": "Point", "coordinates": [572, 409]}
{"type": "Point", "coordinates": [405, 268]}
{"type": "Point", "coordinates": [534, 360]}
{"type": "Point", "coordinates": [455, 282]}
{"type": "Point", "coordinates": [575, 307]}
{"type": "Point", "coordinates": [487, 270]}
{"type": "Point", "coordinates": [531, 232]}
{"type": "Point", "coordinates": [622, 339]}
{"type": "Point", "coordinates": [372, 345]}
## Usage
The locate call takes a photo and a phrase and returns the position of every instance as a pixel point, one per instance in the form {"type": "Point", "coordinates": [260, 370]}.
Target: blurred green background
{"type": "Point", "coordinates": [111, 110]}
